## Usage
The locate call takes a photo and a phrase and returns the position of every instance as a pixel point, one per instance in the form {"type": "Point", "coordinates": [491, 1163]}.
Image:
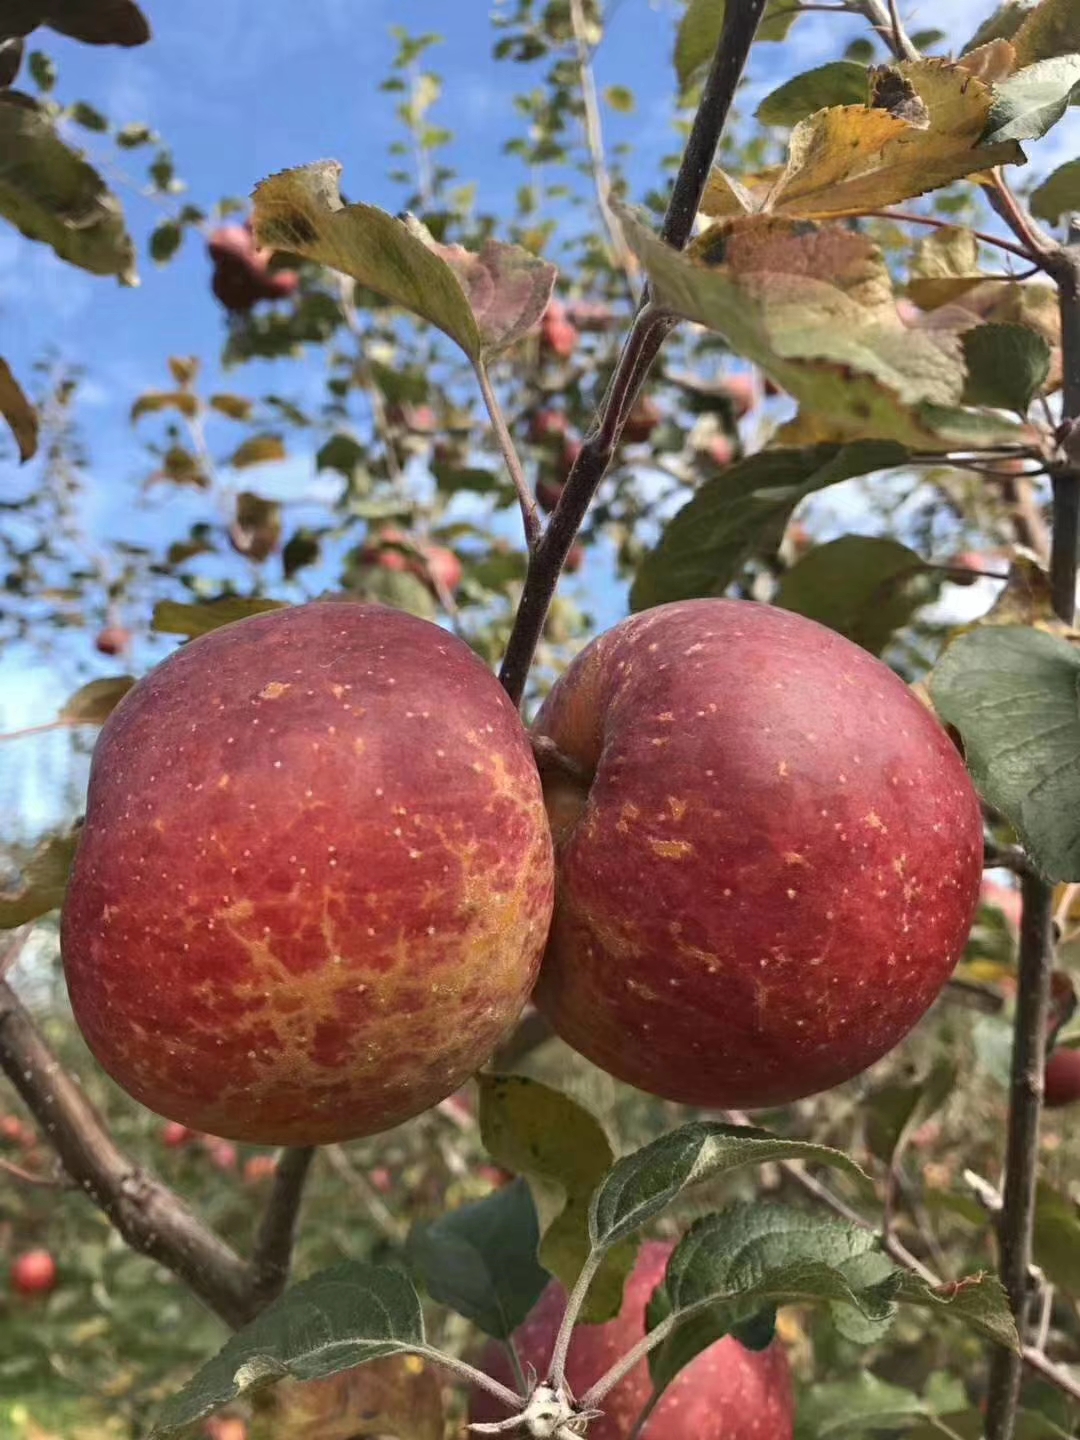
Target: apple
{"type": "Point", "coordinates": [14, 1132]}
{"type": "Point", "coordinates": [1062, 1078]}
{"type": "Point", "coordinates": [225, 1427]}
{"type": "Point", "coordinates": [113, 640]}
{"type": "Point", "coordinates": [742, 393]}
{"type": "Point", "coordinates": [548, 492]}
{"type": "Point", "coordinates": [382, 1180]}
{"type": "Point", "coordinates": [574, 560]}
{"type": "Point", "coordinates": [33, 1273]}
{"type": "Point", "coordinates": [721, 450]}
{"type": "Point", "coordinates": [726, 1393]}
{"type": "Point", "coordinates": [438, 567]}
{"type": "Point", "coordinates": [242, 275]}
{"type": "Point", "coordinates": [547, 425]}
{"type": "Point", "coordinates": [772, 867]}
{"type": "Point", "coordinates": [222, 1153]}
{"type": "Point", "coordinates": [177, 1136]}
{"type": "Point", "coordinates": [643, 419]}
{"type": "Point", "coordinates": [259, 1169]}
{"type": "Point", "coordinates": [558, 333]}
{"type": "Point", "coordinates": [314, 880]}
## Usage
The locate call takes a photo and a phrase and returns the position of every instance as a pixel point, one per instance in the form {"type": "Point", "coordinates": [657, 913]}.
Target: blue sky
{"type": "Point", "coordinates": [240, 89]}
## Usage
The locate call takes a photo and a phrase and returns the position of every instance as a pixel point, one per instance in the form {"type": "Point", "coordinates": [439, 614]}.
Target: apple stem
{"type": "Point", "coordinates": [557, 1369]}
{"type": "Point", "coordinates": [648, 333]}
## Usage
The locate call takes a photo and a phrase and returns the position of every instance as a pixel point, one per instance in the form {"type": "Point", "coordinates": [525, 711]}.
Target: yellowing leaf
{"type": "Point", "coordinates": [815, 309]}
{"type": "Point", "coordinates": [95, 702]}
{"type": "Point", "coordinates": [236, 407]}
{"type": "Point", "coordinates": [851, 159]}
{"type": "Point", "coordinates": [483, 302]}
{"type": "Point", "coordinates": [1052, 28]}
{"type": "Point", "coordinates": [154, 401]}
{"type": "Point", "coordinates": [1028, 599]}
{"type": "Point", "coordinates": [945, 266]}
{"type": "Point", "coordinates": [18, 412]}
{"type": "Point", "coordinates": [990, 62]}
{"type": "Point", "coordinates": [258, 450]}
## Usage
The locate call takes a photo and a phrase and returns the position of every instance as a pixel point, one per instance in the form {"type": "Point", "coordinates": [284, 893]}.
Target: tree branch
{"type": "Point", "coordinates": [271, 1257]}
{"type": "Point", "coordinates": [648, 333]}
{"type": "Point", "coordinates": [147, 1214]}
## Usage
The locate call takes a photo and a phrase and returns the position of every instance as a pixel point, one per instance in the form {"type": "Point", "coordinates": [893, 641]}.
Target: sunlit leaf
{"type": "Point", "coordinates": [1028, 104]}
{"type": "Point", "coordinates": [840, 82]}
{"type": "Point", "coordinates": [172, 618]}
{"type": "Point", "coordinates": [258, 450]}
{"type": "Point", "coordinates": [945, 266]}
{"type": "Point", "coordinates": [699, 32]}
{"type": "Point", "coordinates": [154, 401]}
{"type": "Point", "coordinates": [94, 702]}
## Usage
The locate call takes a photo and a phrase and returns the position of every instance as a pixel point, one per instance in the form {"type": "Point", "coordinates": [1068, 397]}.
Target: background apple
{"type": "Point", "coordinates": [726, 1393]}
{"type": "Point", "coordinates": [558, 333]}
{"type": "Point", "coordinates": [314, 880]}
{"type": "Point", "coordinates": [774, 868]}
{"type": "Point", "coordinates": [1062, 1078]}
{"type": "Point", "coordinates": [113, 640]}
{"type": "Point", "coordinates": [34, 1273]}
{"type": "Point", "coordinates": [242, 274]}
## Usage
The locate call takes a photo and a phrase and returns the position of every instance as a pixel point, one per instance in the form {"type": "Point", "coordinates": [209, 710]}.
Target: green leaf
{"type": "Point", "coordinates": [89, 118]}
{"type": "Point", "coordinates": [454, 478]}
{"type": "Point", "coordinates": [1057, 1239]}
{"type": "Point", "coordinates": [400, 588]}
{"type": "Point", "coordinates": [1007, 366]}
{"type": "Point", "coordinates": [894, 1111]}
{"type": "Point", "coordinates": [562, 1151]}
{"type": "Point", "coordinates": [1059, 193]}
{"type": "Point", "coordinates": [480, 1260]}
{"type": "Point", "coordinates": [642, 1185]}
{"type": "Point", "coordinates": [620, 99]}
{"type": "Point", "coordinates": [1012, 694]}
{"type": "Point", "coordinates": [742, 509]}
{"type": "Point", "coordinates": [42, 882]}
{"type": "Point", "coordinates": [18, 412]}
{"type": "Point", "coordinates": [699, 32]}
{"type": "Point", "coordinates": [484, 302]}
{"type": "Point", "coordinates": [339, 1318]}
{"type": "Point", "coordinates": [841, 82]}
{"type": "Point", "coordinates": [1029, 103]}
{"type": "Point", "coordinates": [172, 618]}
{"type": "Point", "coordinates": [341, 453]}
{"type": "Point", "coordinates": [51, 194]}
{"type": "Point", "coordinates": [301, 550]}
{"type": "Point", "coordinates": [93, 703]}
{"type": "Point", "coordinates": [977, 1301]}
{"type": "Point", "coordinates": [733, 1264]}
{"type": "Point", "coordinates": [256, 530]}
{"type": "Point", "coordinates": [856, 1408]}
{"type": "Point", "coordinates": [165, 241]}
{"type": "Point", "coordinates": [863, 586]}
{"type": "Point", "coordinates": [1050, 29]}
{"type": "Point", "coordinates": [117, 22]}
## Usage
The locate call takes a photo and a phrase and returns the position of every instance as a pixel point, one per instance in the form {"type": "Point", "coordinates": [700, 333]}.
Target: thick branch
{"type": "Point", "coordinates": [272, 1255]}
{"type": "Point", "coordinates": [147, 1214]}
{"type": "Point", "coordinates": [643, 344]}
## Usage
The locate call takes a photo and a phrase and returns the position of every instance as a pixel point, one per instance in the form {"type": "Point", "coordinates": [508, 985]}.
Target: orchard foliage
{"type": "Point", "coordinates": [866, 401]}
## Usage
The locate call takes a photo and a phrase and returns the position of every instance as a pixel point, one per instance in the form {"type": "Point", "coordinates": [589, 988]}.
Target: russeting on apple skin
{"type": "Point", "coordinates": [315, 877]}
{"type": "Point", "coordinates": [770, 867]}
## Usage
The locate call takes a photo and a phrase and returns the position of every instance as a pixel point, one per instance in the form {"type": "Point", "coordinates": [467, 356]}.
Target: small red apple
{"type": "Point", "coordinates": [495, 1175]}
{"type": "Point", "coordinates": [222, 1154]}
{"type": "Point", "coordinates": [547, 425]}
{"type": "Point", "coordinates": [726, 1393]}
{"type": "Point", "coordinates": [225, 1427]}
{"type": "Point", "coordinates": [34, 1273]}
{"type": "Point", "coordinates": [575, 559]}
{"type": "Point", "coordinates": [434, 564]}
{"type": "Point", "coordinates": [772, 867]}
{"type": "Point", "coordinates": [645, 415]}
{"type": "Point", "coordinates": [1062, 1078]}
{"type": "Point", "coordinates": [259, 1169]}
{"type": "Point", "coordinates": [113, 640]}
{"type": "Point", "coordinates": [14, 1132]}
{"type": "Point", "coordinates": [548, 492]}
{"type": "Point", "coordinates": [176, 1136]}
{"type": "Point", "coordinates": [382, 1180]}
{"type": "Point", "coordinates": [314, 879]}
{"type": "Point", "coordinates": [242, 275]}
{"type": "Point", "coordinates": [558, 334]}
{"type": "Point", "coordinates": [721, 450]}
{"type": "Point", "coordinates": [742, 391]}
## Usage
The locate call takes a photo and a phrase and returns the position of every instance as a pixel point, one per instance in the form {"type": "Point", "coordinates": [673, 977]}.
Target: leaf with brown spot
{"type": "Point", "coordinates": [18, 412]}
{"type": "Point", "coordinates": [562, 1151]}
{"type": "Point", "coordinates": [41, 884]}
{"type": "Point", "coordinates": [94, 702]}
{"type": "Point", "coordinates": [894, 92]}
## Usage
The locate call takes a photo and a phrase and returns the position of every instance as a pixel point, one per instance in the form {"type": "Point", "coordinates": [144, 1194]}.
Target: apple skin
{"type": "Point", "coordinates": [1062, 1078]}
{"type": "Point", "coordinates": [34, 1273]}
{"type": "Point", "coordinates": [315, 877]}
{"type": "Point", "coordinates": [776, 865]}
{"type": "Point", "coordinates": [726, 1393]}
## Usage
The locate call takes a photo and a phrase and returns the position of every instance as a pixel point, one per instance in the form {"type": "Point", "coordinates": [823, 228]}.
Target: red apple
{"type": "Point", "coordinates": [547, 493]}
{"type": "Point", "coordinates": [575, 559]}
{"type": "Point", "coordinates": [773, 868]}
{"type": "Point", "coordinates": [113, 640]}
{"type": "Point", "coordinates": [314, 879]}
{"type": "Point", "coordinates": [222, 1154]}
{"type": "Point", "coordinates": [176, 1136]}
{"type": "Point", "coordinates": [14, 1132]}
{"type": "Point", "coordinates": [645, 415]}
{"type": "Point", "coordinates": [547, 425]}
{"type": "Point", "coordinates": [721, 450]}
{"type": "Point", "coordinates": [1062, 1078]}
{"type": "Point", "coordinates": [742, 391]}
{"type": "Point", "coordinates": [259, 1169]}
{"type": "Point", "coordinates": [382, 1180]}
{"type": "Point", "coordinates": [225, 1427]}
{"type": "Point", "coordinates": [726, 1393]}
{"type": "Point", "coordinates": [434, 564]}
{"type": "Point", "coordinates": [33, 1273]}
{"type": "Point", "coordinates": [558, 333]}
{"type": "Point", "coordinates": [242, 275]}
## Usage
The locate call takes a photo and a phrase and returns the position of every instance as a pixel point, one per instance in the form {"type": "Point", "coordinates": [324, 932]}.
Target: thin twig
{"type": "Point", "coordinates": [530, 515]}
{"type": "Point", "coordinates": [907, 218]}
{"type": "Point", "coordinates": [271, 1256]}
{"type": "Point", "coordinates": [47, 1182]}
{"type": "Point", "coordinates": [594, 141]}
{"type": "Point", "coordinates": [393, 1228]}
{"type": "Point", "coordinates": [647, 335]}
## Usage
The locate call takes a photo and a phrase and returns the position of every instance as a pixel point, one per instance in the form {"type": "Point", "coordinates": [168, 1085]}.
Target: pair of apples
{"type": "Point", "coordinates": [322, 871]}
